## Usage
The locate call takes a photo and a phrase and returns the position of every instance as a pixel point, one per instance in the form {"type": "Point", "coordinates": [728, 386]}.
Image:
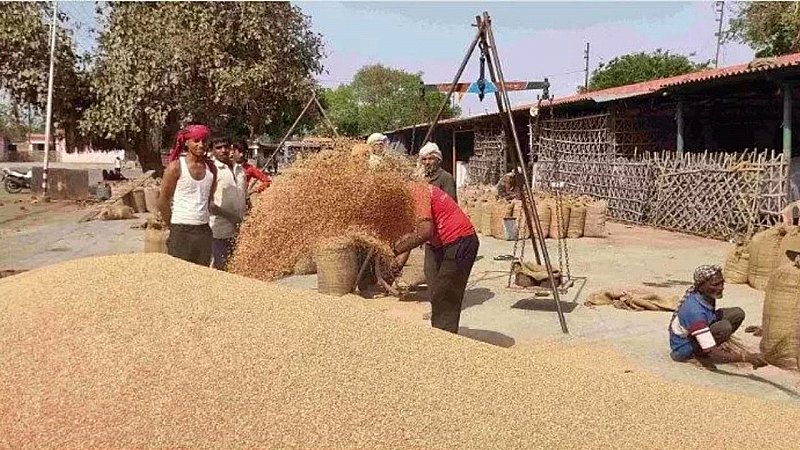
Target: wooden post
{"type": "Point", "coordinates": [679, 123]}
{"type": "Point", "coordinates": [454, 156]}
{"type": "Point", "coordinates": [787, 138]}
{"type": "Point", "coordinates": [787, 121]}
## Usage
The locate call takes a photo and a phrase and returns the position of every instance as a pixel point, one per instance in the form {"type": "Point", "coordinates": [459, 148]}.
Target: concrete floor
{"type": "Point", "coordinates": [631, 256]}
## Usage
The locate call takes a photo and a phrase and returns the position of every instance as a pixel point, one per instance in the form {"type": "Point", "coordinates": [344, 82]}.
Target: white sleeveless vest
{"type": "Point", "coordinates": [190, 202]}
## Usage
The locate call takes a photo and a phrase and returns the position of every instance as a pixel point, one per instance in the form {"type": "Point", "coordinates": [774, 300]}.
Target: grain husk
{"type": "Point", "coordinates": [208, 359]}
{"type": "Point", "coordinates": [324, 196]}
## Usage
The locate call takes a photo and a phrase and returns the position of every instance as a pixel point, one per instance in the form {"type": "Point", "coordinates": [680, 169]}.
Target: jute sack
{"type": "Point", "coordinates": [414, 270]}
{"type": "Point", "coordinates": [337, 269]}
{"type": "Point", "coordinates": [522, 225]}
{"type": "Point", "coordinates": [485, 218]}
{"type": "Point", "coordinates": [543, 210]}
{"type": "Point", "coordinates": [781, 315]}
{"type": "Point", "coordinates": [737, 264]}
{"type": "Point", "coordinates": [500, 211]}
{"type": "Point", "coordinates": [559, 223]}
{"type": "Point", "coordinates": [155, 238]}
{"type": "Point", "coordinates": [790, 241]}
{"type": "Point", "coordinates": [764, 249]}
{"type": "Point", "coordinates": [595, 225]}
{"type": "Point", "coordinates": [577, 219]}
{"type": "Point", "coordinates": [117, 212]}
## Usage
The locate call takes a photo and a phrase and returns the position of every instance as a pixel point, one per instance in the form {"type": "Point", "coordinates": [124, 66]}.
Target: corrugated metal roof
{"type": "Point", "coordinates": [649, 87]}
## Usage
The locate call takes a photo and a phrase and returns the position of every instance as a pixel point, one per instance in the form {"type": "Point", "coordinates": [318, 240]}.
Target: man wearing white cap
{"type": "Point", "coordinates": [377, 143]}
{"type": "Point", "coordinates": [430, 160]}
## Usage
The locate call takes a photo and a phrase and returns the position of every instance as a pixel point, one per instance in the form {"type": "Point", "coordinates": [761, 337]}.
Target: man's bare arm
{"type": "Point", "coordinates": [425, 230]}
{"type": "Point", "coordinates": [168, 184]}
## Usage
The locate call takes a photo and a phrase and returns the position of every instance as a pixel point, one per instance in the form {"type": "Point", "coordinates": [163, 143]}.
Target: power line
{"type": "Point", "coordinates": [586, 69]}
{"type": "Point", "coordinates": [720, 6]}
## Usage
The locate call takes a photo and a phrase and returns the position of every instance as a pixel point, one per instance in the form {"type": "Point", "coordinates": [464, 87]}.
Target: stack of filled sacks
{"type": "Point", "coordinates": [753, 262]}
{"type": "Point", "coordinates": [578, 216]}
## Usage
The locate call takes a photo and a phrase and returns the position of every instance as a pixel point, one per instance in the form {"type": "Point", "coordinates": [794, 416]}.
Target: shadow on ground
{"type": "Point", "coordinates": [544, 304]}
{"type": "Point", "coordinates": [487, 336]}
{"type": "Point", "coordinates": [667, 284]}
{"type": "Point", "coordinates": [475, 297]}
{"type": "Point", "coordinates": [791, 392]}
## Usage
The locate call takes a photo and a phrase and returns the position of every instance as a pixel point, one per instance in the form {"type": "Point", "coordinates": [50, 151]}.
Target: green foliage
{"type": "Point", "coordinates": [25, 63]}
{"type": "Point", "coordinates": [641, 66]}
{"type": "Point", "coordinates": [381, 98]}
{"type": "Point", "coordinates": [239, 66]}
{"type": "Point", "coordinates": [11, 126]}
{"type": "Point", "coordinates": [770, 28]}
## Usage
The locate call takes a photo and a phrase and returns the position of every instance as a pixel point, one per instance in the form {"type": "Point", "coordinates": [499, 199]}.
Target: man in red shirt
{"type": "Point", "coordinates": [250, 171]}
{"type": "Point", "coordinates": [442, 223]}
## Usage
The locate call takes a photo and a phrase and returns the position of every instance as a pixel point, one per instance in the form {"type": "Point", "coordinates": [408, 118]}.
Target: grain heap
{"type": "Point", "coordinates": [186, 361]}
{"type": "Point", "coordinates": [327, 195]}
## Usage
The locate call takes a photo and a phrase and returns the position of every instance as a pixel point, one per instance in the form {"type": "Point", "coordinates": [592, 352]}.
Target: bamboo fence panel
{"type": "Point", "coordinates": [714, 194]}
{"type": "Point", "coordinates": [486, 165]}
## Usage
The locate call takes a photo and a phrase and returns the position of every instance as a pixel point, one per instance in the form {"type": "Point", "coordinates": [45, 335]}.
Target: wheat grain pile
{"type": "Point", "coordinates": [330, 194]}
{"type": "Point", "coordinates": [150, 351]}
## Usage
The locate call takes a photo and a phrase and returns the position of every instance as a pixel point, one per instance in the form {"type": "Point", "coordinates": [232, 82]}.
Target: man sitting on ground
{"type": "Point", "coordinates": [697, 328]}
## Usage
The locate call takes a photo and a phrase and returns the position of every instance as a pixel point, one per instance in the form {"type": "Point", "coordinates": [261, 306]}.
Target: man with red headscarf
{"type": "Point", "coordinates": [186, 191]}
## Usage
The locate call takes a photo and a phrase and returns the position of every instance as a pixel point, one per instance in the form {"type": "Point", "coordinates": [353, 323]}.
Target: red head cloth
{"type": "Point", "coordinates": [193, 132]}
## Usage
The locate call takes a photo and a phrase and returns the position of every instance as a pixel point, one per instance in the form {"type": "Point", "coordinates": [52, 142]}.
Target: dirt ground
{"type": "Point", "coordinates": [35, 234]}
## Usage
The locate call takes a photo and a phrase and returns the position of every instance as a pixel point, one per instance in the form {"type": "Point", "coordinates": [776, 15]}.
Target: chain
{"type": "Point", "coordinates": [563, 251]}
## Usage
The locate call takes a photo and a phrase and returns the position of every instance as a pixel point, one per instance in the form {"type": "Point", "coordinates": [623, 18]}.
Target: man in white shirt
{"type": "Point", "coordinates": [378, 143]}
{"type": "Point", "coordinates": [229, 203]}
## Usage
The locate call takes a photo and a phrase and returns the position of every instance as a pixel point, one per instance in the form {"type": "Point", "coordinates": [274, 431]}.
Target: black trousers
{"type": "Point", "coordinates": [190, 243]}
{"type": "Point", "coordinates": [447, 270]}
{"type": "Point", "coordinates": [728, 321]}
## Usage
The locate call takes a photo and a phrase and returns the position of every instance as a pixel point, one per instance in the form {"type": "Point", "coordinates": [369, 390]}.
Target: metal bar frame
{"type": "Point", "coordinates": [485, 37]}
{"type": "Point", "coordinates": [312, 100]}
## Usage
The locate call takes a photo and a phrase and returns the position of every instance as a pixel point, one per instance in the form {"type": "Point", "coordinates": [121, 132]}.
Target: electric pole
{"type": "Point", "coordinates": [49, 117]}
{"type": "Point", "coordinates": [720, 7]}
{"type": "Point", "coordinates": [586, 67]}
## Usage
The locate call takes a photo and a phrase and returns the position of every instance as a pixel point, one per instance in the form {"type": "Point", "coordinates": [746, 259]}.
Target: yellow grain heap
{"type": "Point", "coordinates": [150, 351]}
{"type": "Point", "coordinates": [324, 196]}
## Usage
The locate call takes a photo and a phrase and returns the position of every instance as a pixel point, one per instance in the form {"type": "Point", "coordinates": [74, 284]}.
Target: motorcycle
{"type": "Point", "coordinates": [15, 182]}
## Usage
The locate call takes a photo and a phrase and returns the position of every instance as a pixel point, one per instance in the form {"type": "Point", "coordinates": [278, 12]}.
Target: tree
{"type": "Point", "coordinates": [381, 98]}
{"type": "Point", "coordinates": [239, 66]}
{"type": "Point", "coordinates": [25, 64]}
{"type": "Point", "coordinates": [641, 66]}
{"type": "Point", "coordinates": [770, 28]}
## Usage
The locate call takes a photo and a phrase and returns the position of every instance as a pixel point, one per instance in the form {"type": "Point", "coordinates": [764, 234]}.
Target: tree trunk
{"type": "Point", "coordinates": [150, 160]}
{"type": "Point", "coordinates": [148, 148]}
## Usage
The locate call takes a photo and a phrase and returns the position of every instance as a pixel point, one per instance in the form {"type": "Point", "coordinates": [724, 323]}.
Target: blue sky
{"type": "Point", "coordinates": [535, 39]}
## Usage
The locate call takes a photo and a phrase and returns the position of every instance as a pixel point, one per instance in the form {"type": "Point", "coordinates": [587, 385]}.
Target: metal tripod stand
{"type": "Point", "coordinates": [311, 101]}
{"type": "Point", "coordinates": [484, 37]}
